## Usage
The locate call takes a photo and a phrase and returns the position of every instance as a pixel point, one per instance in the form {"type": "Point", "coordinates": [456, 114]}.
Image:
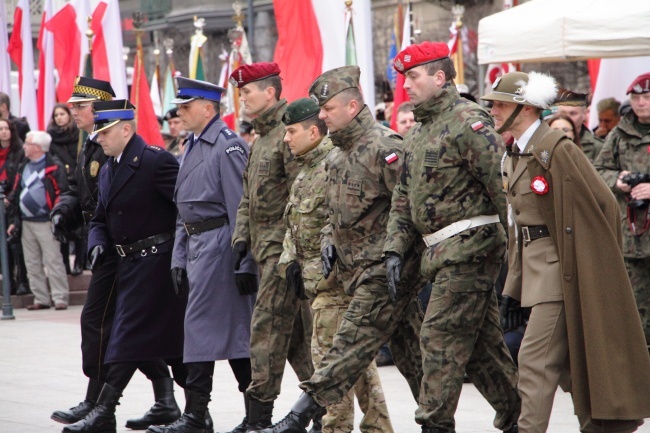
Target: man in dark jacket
{"type": "Point", "coordinates": [136, 217]}
{"type": "Point", "coordinates": [38, 184]}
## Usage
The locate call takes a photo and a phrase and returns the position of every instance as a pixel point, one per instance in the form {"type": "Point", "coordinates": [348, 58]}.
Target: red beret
{"type": "Point", "coordinates": [254, 72]}
{"type": "Point", "coordinates": [641, 84]}
{"type": "Point", "coordinates": [415, 55]}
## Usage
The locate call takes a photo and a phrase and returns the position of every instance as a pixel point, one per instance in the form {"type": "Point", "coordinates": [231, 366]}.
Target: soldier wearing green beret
{"type": "Point", "coordinates": [306, 215]}
{"type": "Point", "coordinates": [362, 170]}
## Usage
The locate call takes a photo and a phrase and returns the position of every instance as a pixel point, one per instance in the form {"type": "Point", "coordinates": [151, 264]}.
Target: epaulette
{"type": "Point", "coordinates": [229, 133]}
{"type": "Point", "coordinates": [158, 148]}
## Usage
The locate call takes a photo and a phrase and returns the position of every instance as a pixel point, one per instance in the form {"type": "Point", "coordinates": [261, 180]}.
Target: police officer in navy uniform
{"type": "Point", "coordinates": [136, 218]}
{"type": "Point", "coordinates": [208, 191]}
{"type": "Point", "coordinates": [75, 208]}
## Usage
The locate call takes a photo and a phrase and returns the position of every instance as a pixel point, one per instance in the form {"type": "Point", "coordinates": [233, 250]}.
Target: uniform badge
{"type": "Point", "coordinates": [407, 58]}
{"type": "Point", "coordinates": [496, 82]}
{"type": "Point", "coordinates": [314, 97]}
{"type": "Point", "coordinates": [391, 158]}
{"type": "Point", "coordinates": [135, 159]}
{"type": "Point", "coordinates": [235, 148]}
{"type": "Point", "coordinates": [544, 156]}
{"type": "Point", "coordinates": [637, 88]}
{"type": "Point", "coordinates": [325, 91]}
{"type": "Point", "coordinates": [353, 186]}
{"type": "Point", "coordinates": [233, 81]}
{"type": "Point", "coordinates": [94, 168]}
{"type": "Point", "coordinates": [477, 125]}
{"type": "Point", "coordinates": [76, 81]}
{"type": "Point", "coordinates": [539, 185]}
{"type": "Point", "coordinates": [399, 65]}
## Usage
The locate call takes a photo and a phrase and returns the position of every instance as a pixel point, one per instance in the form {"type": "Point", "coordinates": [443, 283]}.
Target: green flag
{"type": "Point", "coordinates": [350, 46]}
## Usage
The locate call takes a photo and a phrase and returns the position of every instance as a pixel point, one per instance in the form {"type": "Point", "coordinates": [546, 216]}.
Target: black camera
{"type": "Point", "coordinates": [633, 179]}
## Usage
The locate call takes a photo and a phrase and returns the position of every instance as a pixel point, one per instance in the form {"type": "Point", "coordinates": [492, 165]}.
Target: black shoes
{"type": "Point", "coordinates": [302, 412]}
{"type": "Point", "coordinates": [80, 411]}
{"type": "Point", "coordinates": [102, 418]}
{"type": "Point", "coordinates": [164, 411]}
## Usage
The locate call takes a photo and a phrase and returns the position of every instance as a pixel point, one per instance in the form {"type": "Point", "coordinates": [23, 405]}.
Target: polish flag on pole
{"type": "Point", "coordinates": [108, 60]}
{"type": "Point", "coordinates": [399, 95]}
{"type": "Point", "coordinates": [239, 55]}
{"type": "Point", "coordinates": [147, 123]}
{"type": "Point", "coordinates": [68, 27]}
{"type": "Point", "coordinates": [46, 97]}
{"type": "Point", "coordinates": [21, 52]}
{"type": "Point", "coordinates": [5, 65]}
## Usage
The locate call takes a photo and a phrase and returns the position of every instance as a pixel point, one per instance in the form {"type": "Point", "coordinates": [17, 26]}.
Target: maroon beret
{"type": "Point", "coordinates": [254, 72]}
{"type": "Point", "coordinates": [641, 84]}
{"type": "Point", "coordinates": [418, 54]}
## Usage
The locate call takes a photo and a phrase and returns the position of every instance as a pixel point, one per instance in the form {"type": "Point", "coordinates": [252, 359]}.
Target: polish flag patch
{"type": "Point", "coordinates": [391, 158]}
{"type": "Point", "coordinates": [477, 125]}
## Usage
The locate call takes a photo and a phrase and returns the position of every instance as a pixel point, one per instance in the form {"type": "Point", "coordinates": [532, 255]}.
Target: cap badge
{"type": "Point", "coordinates": [399, 65]}
{"type": "Point", "coordinates": [313, 97]}
{"type": "Point", "coordinates": [76, 81]}
{"type": "Point", "coordinates": [325, 91]}
{"type": "Point", "coordinates": [232, 81]}
{"type": "Point", "coordinates": [496, 82]}
{"type": "Point", "coordinates": [407, 58]}
{"type": "Point", "coordinates": [287, 117]}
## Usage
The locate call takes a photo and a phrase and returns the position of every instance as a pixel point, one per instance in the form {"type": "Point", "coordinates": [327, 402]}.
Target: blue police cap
{"type": "Point", "coordinates": [189, 90]}
{"type": "Point", "coordinates": [109, 113]}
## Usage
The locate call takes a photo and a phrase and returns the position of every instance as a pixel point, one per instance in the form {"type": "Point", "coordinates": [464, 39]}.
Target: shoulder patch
{"type": "Point", "coordinates": [229, 133]}
{"type": "Point", "coordinates": [234, 148]}
{"type": "Point", "coordinates": [391, 158]}
{"type": "Point", "coordinates": [477, 125]}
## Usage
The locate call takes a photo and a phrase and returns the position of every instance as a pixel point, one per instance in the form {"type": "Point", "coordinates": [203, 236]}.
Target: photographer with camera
{"type": "Point", "coordinates": [624, 164]}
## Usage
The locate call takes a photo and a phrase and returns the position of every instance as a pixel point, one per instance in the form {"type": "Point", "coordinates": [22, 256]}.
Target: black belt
{"type": "Point", "coordinates": [204, 226]}
{"type": "Point", "coordinates": [143, 244]}
{"type": "Point", "coordinates": [87, 216]}
{"type": "Point", "coordinates": [530, 233]}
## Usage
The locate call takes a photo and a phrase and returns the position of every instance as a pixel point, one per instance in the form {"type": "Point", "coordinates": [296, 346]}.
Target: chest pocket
{"type": "Point", "coordinates": [313, 212]}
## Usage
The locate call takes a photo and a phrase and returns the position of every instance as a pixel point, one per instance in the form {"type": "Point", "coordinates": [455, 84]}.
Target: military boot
{"type": "Point", "coordinates": [513, 429]}
{"type": "Point", "coordinates": [164, 411]}
{"type": "Point", "coordinates": [259, 414]}
{"type": "Point", "coordinates": [317, 425]}
{"type": "Point", "coordinates": [426, 429]}
{"type": "Point", "coordinates": [244, 426]}
{"type": "Point", "coordinates": [78, 412]}
{"type": "Point", "coordinates": [192, 420]}
{"type": "Point", "coordinates": [102, 418]}
{"type": "Point", "coordinates": [302, 412]}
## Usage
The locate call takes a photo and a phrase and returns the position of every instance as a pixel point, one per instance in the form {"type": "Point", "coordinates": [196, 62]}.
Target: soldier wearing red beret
{"type": "Point", "coordinates": [624, 164]}
{"type": "Point", "coordinates": [450, 196]}
{"type": "Point", "coordinates": [281, 324]}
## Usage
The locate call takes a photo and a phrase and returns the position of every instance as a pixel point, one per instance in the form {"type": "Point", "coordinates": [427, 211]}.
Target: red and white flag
{"type": "Point", "coordinates": [108, 59]}
{"type": "Point", "coordinates": [147, 123]}
{"type": "Point", "coordinates": [399, 95]}
{"type": "Point", "coordinates": [46, 94]}
{"type": "Point", "coordinates": [240, 55]}
{"type": "Point", "coordinates": [5, 65]}
{"type": "Point", "coordinates": [21, 52]}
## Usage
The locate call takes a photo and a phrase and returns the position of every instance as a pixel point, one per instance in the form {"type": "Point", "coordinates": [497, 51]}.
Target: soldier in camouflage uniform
{"type": "Point", "coordinates": [362, 170]}
{"type": "Point", "coordinates": [626, 151]}
{"type": "Point", "coordinates": [281, 324]}
{"type": "Point", "coordinates": [450, 193]}
{"type": "Point", "coordinates": [591, 145]}
{"type": "Point", "coordinates": [306, 215]}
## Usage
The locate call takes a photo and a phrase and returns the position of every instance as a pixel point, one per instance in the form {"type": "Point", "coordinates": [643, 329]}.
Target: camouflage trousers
{"type": "Point", "coordinates": [639, 272]}
{"type": "Point", "coordinates": [461, 334]}
{"type": "Point", "coordinates": [280, 331]}
{"type": "Point", "coordinates": [370, 395]}
{"type": "Point", "coordinates": [369, 321]}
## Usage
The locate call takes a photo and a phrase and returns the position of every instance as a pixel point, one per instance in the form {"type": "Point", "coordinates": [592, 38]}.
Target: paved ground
{"type": "Point", "coordinates": [40, 371]}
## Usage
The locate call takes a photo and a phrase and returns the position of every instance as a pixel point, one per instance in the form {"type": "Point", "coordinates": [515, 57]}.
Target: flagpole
{"type": "Point", "coordinates": [458, 11]}
{"type": "Point", "coordinates": [235, 35]}
{"type": "Point", "coordinates": [137, 29]}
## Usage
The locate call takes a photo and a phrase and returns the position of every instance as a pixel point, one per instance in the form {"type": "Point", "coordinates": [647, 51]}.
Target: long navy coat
{"type": "Point", "coordinates": [218, 319]}
{"type": "Point", "coordinates": [135, 202]}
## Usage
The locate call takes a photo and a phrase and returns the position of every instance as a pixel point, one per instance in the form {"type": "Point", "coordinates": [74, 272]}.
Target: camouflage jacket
{"type": "Point", "coordinates": [626, 149]}
{"type": "Point", "coordinates": [451, 171]}
{"type": "Point", "coordinates": [361, 175]}
{"type": "Point", "coordinates": [591, 145]}
{"type": "Point", "coordinates": [305, 216]}
{"type": "Point", "coordinates": [267, 179]}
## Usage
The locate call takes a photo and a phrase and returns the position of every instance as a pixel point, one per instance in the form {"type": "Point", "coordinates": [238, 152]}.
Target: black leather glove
{"type": "Point", "coordinates": [246, 284]}
{"type": "Point", "coordinates": [327, 258]}
{"type": "Point", "coordinates": [96, 256]}
{"type": "Point", "coordinates": [57, 228]}
{"type": "Point", "coordinates": [239, 251]}
{"type": "Point", "coordinates": [295, 282]}
{"type": "Point", "coordinates": [393, 273]}
{"type": "Point", "coordinates": [179, 280]}
{"type": "Point", "coordinates": [512, 315]}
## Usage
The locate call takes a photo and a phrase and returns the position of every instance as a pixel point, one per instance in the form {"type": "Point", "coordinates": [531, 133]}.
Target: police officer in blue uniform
{"type": "Point", "coordinates": [221, 301]}
{"type": "Point", "coordinates": [136, 218]}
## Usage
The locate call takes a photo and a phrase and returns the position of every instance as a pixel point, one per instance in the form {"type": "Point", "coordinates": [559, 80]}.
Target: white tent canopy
{"type": "Point", "coordinates": [561, 30]}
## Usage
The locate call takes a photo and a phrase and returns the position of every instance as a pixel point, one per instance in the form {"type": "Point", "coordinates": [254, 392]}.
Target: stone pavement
{"type": "Point", "coordinates": [40, 371]}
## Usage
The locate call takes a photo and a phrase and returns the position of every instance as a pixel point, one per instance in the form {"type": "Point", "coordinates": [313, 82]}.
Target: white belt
{"type": "Point", "coordinates": [459, 226]}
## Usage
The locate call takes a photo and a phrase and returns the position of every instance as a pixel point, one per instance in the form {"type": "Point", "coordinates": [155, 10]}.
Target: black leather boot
{"type": "Point", "coordinates": [513, 429]}
{"type": "Point", "coordinates": [259, 414]}
{"type": "Point", "coordinates": [102, 418]}
{"type": "Point", "coordinates": [244, 426]}
{"type": "Point", "coordinates": [192, 420]}
{"type": "Point", "coordinates": [426, 429]}
{"type": "Point", "coordinates": [317, 424]}
{"type": "Point", "coordinates": [302, 412]}
{"type": "Point", "coordinates": [78, 412]}
{"type": "Point", "coordinates": [164, 411]}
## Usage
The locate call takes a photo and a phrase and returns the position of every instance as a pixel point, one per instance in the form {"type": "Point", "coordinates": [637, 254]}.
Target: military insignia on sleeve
{"type": "Point", "coordinates": [539, 185]}
{"type": "Point", "coordinates": [353, 186]}
{"type": "Point", "coordinates": [235, 148]}
{"type": "Point", "coordinates": [265, 168]}
{"type": "Point", "coordinates": [544, 156]}
{"type": "Point", "coordinates": [391, 158]}
{"type": "Point", "coordinates": [477, 125]}
{"type": "Point", "coordinates": [94, 168]}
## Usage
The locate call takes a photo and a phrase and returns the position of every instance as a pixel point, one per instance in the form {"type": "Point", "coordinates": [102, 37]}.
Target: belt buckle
{"type": "Point", "coordinates": [525, 234]}
{"type": "Point", "coordinates": [120, 251]}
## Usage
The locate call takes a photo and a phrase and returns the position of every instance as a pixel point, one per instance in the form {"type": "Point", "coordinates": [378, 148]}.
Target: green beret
{"type": "Point", "coordinates": [300, 110]}
{"type": "Point", "coordinates": [333, 82]}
